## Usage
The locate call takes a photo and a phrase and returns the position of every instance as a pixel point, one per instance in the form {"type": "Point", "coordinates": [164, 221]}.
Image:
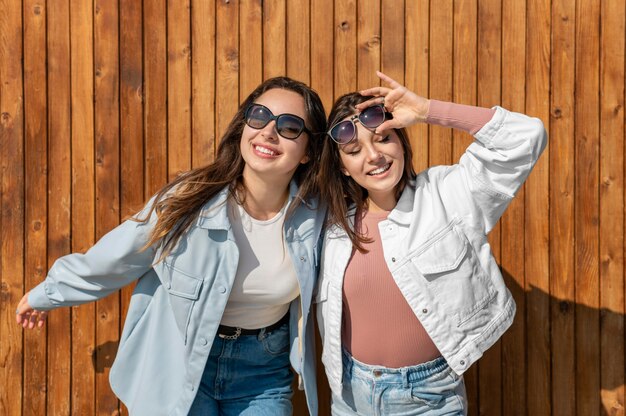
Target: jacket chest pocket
{"type": "Point", "coordinates": [184, 291]}
{"type": "Point", "coordinates": [454, 275]}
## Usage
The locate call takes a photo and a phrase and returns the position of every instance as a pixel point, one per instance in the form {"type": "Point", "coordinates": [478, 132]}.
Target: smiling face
{"type": "Point", "coordinates": [267, 155]}
{"type": "Point", "coordinates": [375, 162]}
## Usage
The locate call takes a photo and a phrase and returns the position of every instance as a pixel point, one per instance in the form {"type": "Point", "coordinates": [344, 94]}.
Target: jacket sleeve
{"type": "Point", "coordinates": [496, 164]}
{"type": "Point", "coordinates": [113, 262]}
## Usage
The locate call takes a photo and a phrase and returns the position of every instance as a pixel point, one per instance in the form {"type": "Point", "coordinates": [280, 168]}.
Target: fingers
{"type": "Point", "coordinates": [28, 317]}
{"type": "Point", "coordinates": [387, 125]}
{"type": "Point", "coordinates": [375, 91]}
{"type": "Point", "coordinates": [370, 102]}
{"type": "Point", "coordinates": [390, 81]}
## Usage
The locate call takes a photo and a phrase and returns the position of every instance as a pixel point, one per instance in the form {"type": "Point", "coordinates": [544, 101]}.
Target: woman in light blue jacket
{"type": "Point", "coordinates": [225, 262]}
{"type": "Point", "coordinates": [409, 293]}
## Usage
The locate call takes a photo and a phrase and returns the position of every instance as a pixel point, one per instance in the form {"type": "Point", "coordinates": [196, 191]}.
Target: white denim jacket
{"type": "Point", "coordinates": [177, 304]}
{"type": "Point", "coordinates": [435, 245]}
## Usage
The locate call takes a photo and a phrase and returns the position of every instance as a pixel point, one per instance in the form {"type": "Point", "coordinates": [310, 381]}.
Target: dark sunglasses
{"type": "Point", "coordinates": [345, 131]}
{"type": "Point", "coordinates": [288, 126]}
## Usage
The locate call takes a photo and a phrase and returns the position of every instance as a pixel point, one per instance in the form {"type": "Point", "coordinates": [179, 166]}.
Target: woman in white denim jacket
{"type": "Point", "coordinates": [400, 329]}
{"type": "Point", "coordinates": [216, 316]}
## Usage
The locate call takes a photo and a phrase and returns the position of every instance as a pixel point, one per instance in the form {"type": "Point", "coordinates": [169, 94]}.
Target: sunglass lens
{"type": "Point", "coordinates": [343, 132]}
{"type": "Point", "coordinates": [372, 117]}
{"type": "Point", "coordinates": [258, 116]}
{"type": "Point", "coordinates": [289, 126]}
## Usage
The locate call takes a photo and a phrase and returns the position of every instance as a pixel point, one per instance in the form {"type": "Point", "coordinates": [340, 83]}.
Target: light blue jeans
{"type": "Point", "coordinates": [431, 388]}
{"type": "Point", "coordinates": [250, 375]}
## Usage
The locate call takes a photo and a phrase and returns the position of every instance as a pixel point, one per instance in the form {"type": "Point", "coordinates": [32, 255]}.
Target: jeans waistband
{"type": "Point", "coordinates": [231, 332]}
{"type": "Point", "coordinates": [400, 375]}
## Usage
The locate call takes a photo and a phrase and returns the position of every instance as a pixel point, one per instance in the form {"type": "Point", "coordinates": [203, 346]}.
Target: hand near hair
{"type": "Point", "coordinates": [407, 107]}
{"type": "Point", "coordinates": [28, 317]}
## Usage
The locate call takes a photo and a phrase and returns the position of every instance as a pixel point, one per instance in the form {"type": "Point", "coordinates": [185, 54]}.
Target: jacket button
{"type": "Point", "coordinates": [462, 362]}
{"type": "Point", "coordinates": [302, 259]}
{"type": "Point", "coordinates": [424, 310]}
{"type": "Point", "coordinates": [203, 341]}
{"type": "Point", "coordinates": [393, 259]}
{"type": "Point", "coordinates": [222, 289]}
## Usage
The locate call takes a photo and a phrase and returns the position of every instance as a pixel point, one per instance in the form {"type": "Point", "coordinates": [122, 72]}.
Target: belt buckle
{"type": "Point", "coordinates": [234, 336]}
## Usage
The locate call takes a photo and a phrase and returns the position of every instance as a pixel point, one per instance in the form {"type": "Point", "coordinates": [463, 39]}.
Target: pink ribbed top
{"type": "Point", "coordinates": [379, 327]}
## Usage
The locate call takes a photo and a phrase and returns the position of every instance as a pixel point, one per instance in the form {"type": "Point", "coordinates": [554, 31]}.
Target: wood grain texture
{"type": "Point", "coordinates": [102, 103]}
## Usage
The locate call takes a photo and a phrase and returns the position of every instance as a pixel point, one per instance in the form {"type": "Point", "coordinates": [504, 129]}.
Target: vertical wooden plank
{"type": "Point", "coordinates": [537, 220]}
{"type": "Point", "coordinates": [322, 56]}
{"type": "Point", "coordinates": [586, 208]}
{"type": "Point", "coordinates": [441, 23]}
{"type": "Point", "coordinates": [251, 47]}
{"type": "Point", "coordinates": [155, 100]}
{"type": "Point", "coordinates": [227, 52]}
{"type": "Point", "coordinates": [83, 203]}
{"type": "Point", "coordinates": [562, 251]}
{"type": "Point", "coordinates": [131, 114]}
{"type": "Point", "coordinates": [392, 29]}
{"type": "Point", "coordinates": [178, 87]}
{"type": "Point", "coordinates": [274, 38]}
{"type": "Point", "coordinates": [612, 207]}
{"type": "Point", "coordinates": [59, 200]}
{"type": "Point", "coordinates": [512, 260]}
{"type": "Point", "coordinates": [35, 160]}
{"type": "Point", "coordinates": [345, 47]}
{"type": "Point", "coordinates": [369, 43]}
{"type": "Point", "coordinates": [417, 40]}
{"type": "Point", "coordinates": [298, 28]}
{"type": "Point", "coordinates": [107, 131]}
{"type": "Point", "coordinates": [489, 82]}
{"type": "Point", "coordinates": [11, 205]}
{"type": "Point", "coordinates": [203, 81]}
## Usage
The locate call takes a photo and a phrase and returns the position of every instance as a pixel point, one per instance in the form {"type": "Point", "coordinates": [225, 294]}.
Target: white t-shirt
{"type": "Point", "coordinates": [266, 282]}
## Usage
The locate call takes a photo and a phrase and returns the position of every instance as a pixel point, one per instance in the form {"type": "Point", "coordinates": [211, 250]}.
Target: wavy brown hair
{"type": "Point", "coordinates": [178, 204]}
{"type": "Point", "coordinates": [341, 192]}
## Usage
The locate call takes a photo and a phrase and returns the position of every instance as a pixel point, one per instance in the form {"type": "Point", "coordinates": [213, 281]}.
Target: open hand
{"type": "Point", "coordinates": [407, 107]}
{"type": "Point", "coordinates": [28, 317]}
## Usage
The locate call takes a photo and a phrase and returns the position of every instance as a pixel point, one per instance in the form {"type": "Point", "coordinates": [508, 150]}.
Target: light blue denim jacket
{"type": "Point", "coordinates": [178, 303]}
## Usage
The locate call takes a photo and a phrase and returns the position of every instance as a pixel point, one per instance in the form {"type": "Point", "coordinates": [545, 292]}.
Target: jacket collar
{"type": "Point", "coordinates": [214, 214]}
{"type": "Point", "coordinates": [403, 212]}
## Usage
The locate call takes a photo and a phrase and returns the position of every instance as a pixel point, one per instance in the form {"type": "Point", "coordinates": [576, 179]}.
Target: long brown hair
{"type": "Point", "coordinates": [178, 204]}
{"type": "Point", "coordinates": [341, 192]}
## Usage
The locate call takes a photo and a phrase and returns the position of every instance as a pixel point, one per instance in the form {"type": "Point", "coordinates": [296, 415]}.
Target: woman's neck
{"type": "Point", "coordinates": [263, 200]}
{"type": "Point", "coordinates": [381, 203]}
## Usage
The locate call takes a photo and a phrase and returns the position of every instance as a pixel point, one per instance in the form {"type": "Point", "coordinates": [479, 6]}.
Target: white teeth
{"type": "Point", "coordinates": [265, 150]}
{"type": "Point", "coordinates": [380, 170]}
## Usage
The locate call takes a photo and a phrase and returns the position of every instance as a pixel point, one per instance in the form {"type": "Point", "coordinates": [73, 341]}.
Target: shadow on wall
{"type": "Point", "coordinates": [583, 350]}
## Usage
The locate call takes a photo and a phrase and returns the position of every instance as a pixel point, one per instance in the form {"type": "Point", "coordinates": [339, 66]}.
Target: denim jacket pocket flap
{"type": "Point", "coordinates": [185, 286]}
{"type": "Point", "coordinates": [442, 253]}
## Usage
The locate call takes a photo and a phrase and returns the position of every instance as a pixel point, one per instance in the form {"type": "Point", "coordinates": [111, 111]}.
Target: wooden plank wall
{"type": "Point", "coordinates": [103, 102]}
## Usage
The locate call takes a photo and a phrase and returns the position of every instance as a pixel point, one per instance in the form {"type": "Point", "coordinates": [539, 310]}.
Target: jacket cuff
{"type": "Point", "coordinates": [38, 298]}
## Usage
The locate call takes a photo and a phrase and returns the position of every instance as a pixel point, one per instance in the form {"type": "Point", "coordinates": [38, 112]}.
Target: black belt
{"type": "Point", "coordinates": [233, 332]}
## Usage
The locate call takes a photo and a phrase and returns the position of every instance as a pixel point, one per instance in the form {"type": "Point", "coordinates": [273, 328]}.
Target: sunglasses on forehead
{"type": "Point", "coordinates": [288, 126]}
{"type": "Point", "coordinates": [345, 131]}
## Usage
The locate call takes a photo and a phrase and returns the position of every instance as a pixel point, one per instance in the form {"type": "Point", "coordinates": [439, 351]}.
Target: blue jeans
{"type": "Point", "coordinates": [250, 375]}
{"type": "Point", "coordinates": [431, 388]}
